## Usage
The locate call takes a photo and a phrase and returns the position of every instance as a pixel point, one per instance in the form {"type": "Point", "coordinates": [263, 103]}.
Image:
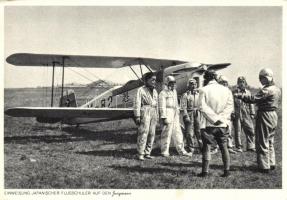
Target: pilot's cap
{"type": "Point", "coordinates": [148, 75]}
{"type": "Point", "coordinates": [266, 72]}
{"type": "Point", "coordinates": [191, 80]}
{"type": "Point", "coordinates": [241, 79]}
{"type": "Point", "coordinates": [170, 79]}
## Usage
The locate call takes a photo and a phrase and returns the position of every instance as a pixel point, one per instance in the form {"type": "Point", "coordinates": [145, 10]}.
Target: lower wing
{"type": "Point", "coordinates": [69, 112]}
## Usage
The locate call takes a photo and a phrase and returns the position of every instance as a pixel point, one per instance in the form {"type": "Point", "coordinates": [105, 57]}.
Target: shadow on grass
{"type": "Point", "coordinates": [179, 164]}
{"type": "Point", "coordinates": [126, 135]}
{"type": "Point", "coordinates": [76, 135]}
{"type": "Point", "coordinates": [251, 168]}
{"type": "Point", "coordinates": [149, 170]}
{"type": "Point", "coordinates": [120, 153]}
{"type": "Point", "coordinates": [37, 139]}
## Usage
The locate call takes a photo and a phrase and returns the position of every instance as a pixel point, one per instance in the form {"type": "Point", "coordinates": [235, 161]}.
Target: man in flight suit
{"type": "Point", "coordinates": [267, 101]}
{"type": "Point", "coordinates": [224, 81]}
{"type": "Point", "coordinates": [169, 115]}
{"type": "Point", "coordinates": [191, 115]}
{"type": "Point", "coordinates": [146, 115]}
{"type": "Point", "coordinates": [243, 118]}
{"type": "Point", "coordinates": [216, 105]}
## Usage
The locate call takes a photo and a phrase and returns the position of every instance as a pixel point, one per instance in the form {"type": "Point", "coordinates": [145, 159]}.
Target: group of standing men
{"type": "Point", "coordinates": [207, 115]}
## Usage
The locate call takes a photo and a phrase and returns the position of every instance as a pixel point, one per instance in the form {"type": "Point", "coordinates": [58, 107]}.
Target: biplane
{"type": "Point", "coordinates": [115, 103]}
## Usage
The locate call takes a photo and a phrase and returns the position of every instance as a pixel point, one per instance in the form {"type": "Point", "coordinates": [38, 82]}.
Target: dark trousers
{"type": "Point", "coordinates": [192, 128]}
{"type": "Point", "coordinates": [220, 135]}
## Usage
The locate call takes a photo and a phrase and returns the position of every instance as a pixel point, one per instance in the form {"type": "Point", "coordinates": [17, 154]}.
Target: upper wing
{"type": "Point", "coordinates": [68, 112]}
{"type": "Point", "coordinates": [28, 59]}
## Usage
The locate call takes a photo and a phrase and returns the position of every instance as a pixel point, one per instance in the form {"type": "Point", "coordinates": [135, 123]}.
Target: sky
{"type": "Point", "coordinates": [248, 37]}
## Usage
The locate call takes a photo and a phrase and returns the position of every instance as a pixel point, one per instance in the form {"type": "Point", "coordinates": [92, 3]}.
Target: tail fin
{"type": "Point", "coordinates": [68, 99]}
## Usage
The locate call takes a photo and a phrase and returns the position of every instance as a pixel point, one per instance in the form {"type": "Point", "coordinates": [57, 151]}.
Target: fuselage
{"type": "Point", "coordinates": [123, 96]}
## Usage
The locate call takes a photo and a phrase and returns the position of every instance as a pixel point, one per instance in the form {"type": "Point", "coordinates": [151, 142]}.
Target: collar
{"type": "Point", "coordinates": [147, 87]}
{"type": "Point", "coordinates": [240, 90]}
{"type": "Point", "coordinates": [269, 84]}
{"type": "Point", "coordinates": [193, 92]}
{"type": "Point", "coordinates": [212, 82]}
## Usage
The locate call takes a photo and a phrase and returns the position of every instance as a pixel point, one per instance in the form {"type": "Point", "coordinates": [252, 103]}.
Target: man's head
{"type": "Point", "coordinates": [192, 84]}
{"type": "Point", "coordinates": [170, 82]}
{"type": "Point", "coordinates": [209, 75]}
{"type": "Point", "coordinates": [241, 82]}
{"type": "Point", "coordinates": [150, 79]}
{"type": "Point", "coordinates": [266, 76]}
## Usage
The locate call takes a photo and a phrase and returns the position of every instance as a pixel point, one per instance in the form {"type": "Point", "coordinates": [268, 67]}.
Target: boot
{"type": "Point", "coordinates": [226, 173]}
{"type": "Point", "coordinates": [205, 167]}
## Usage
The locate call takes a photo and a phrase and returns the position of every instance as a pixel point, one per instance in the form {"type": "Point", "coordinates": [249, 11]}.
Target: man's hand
{"type": "Point", "coordinates": [186, 119]}
{"type": "Point", "coordinates": [232, 116]}
{"type": "Point", "coordinates": [164, 121]}
{"type": "Point", "coordinates": [238, 95]}
{"type": "Point", "coordinates": [138, 120]}
{"type": "Point", "coordinates": [217, 123]}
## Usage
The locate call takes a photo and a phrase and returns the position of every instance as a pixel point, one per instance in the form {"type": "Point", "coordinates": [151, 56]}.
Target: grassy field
{"type": "Point", "coordinates": [103, 155]}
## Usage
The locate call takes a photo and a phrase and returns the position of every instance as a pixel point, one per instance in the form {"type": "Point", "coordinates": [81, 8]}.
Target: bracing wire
{"type": "Point", "coordinates": [87, 70]}
{"type": "Point", "coordinates": [80, 74]}
{"type": "Point", "coordinates": [85, 76]}
{"type": "Point", "coordinates": [91, 73]}
{"type": "Point", "coordinates": [45, 87]}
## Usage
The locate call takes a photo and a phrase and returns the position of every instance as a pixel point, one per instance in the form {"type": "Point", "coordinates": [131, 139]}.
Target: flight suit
{"type": "Point", "coordinates": [169, 109]}
{"type": "Point", "coordinates": [267, 100]}
{"type": "Point", "coordinates": [189, 104]}
{"type": "Point", "coordinates": [243, 121]}
{"type": "Point", "coordinates": [146, 107]}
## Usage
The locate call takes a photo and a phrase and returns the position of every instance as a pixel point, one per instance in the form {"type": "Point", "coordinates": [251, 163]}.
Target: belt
{"type": "Point", "coordinates": [149, 106]}
{"type": "Point", "coordinates": [174, 107]}
{"type": "Point", "coordinates": [192, 109]}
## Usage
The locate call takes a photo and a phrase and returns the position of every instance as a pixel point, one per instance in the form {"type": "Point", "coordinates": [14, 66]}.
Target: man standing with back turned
{"type": "Point", "coordinates": [216, 105]}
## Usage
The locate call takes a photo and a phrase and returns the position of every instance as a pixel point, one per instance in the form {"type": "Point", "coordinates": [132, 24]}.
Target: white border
{"type": "Point", "coordinates": [156, 194]}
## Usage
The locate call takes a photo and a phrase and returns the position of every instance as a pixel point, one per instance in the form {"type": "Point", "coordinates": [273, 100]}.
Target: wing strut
{"type": "Point", "coordinates": [134, 72]}
{"type": "Point", "coordinates": [141, 69]}
{"type": "Point", "coordinates": [63, 73]}
{"type": "Point", "coordinates": [52, 95]}
{"type": "Point", "coordinates": [148, 68]}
